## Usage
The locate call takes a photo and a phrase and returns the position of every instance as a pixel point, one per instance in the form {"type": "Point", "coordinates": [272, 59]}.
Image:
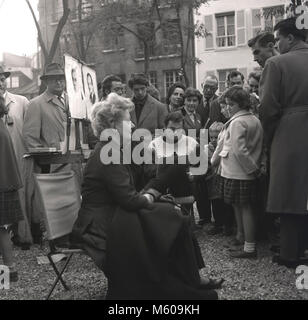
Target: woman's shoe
{"type": "Point", "coordinates": [211, 284]}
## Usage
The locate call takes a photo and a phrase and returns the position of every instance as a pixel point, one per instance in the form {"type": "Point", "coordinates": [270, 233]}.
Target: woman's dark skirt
{"type": "Point", "coordinates": [10, 209]}
{"type": "Point", "coordinates": [237, 192]}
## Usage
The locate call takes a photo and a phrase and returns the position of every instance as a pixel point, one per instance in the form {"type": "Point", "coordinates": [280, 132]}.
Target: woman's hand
{"type": "Point", "coordinates": [149, 197]}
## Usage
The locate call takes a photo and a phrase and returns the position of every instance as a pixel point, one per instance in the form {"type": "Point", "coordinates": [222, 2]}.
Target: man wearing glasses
{"type": "Point", "coordinates": [210, 87]}
{"type": "Point", "coordinates": [47, 113]}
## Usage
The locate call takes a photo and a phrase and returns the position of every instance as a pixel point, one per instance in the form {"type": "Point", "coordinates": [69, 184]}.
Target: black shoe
{"type": "Point", "coordinates": [202, 222]}
{"type": "Point", "coordinates": [215, 230]}
{"type": "Point", "coordinates": [228, 232]}
{"type": "Point", "coordinates": [275, 248]}
{"type": "Point", "coordinates": [243, 255]}
{"type": "Point", "coordinates": [287, 263]}
{"type": "Point", "coordinates": [37, 239]}
{"type": "Point", "coordinates": [211, 284]}
{"type": "Point", "coordinates": [13, 276]}
{"type": "Point", "coordinates": [25, 246]}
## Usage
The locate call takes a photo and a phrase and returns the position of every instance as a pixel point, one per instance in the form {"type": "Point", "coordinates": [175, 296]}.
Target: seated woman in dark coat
{"type": "Point", "coordinates": [144, 248]}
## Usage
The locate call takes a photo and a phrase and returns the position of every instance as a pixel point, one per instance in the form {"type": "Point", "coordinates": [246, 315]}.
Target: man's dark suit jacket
{"type": "Point", "coordinates": [204, 110]}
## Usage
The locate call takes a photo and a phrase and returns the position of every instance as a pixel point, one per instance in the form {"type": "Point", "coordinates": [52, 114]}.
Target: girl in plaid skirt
{"type": "Point", "coordinates": [239, 154]}
{"type": "Point", "coordinates": [10, 183]}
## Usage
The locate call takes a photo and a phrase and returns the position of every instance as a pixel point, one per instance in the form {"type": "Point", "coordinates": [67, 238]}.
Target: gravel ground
{"type": "Point", "coordinates": [245, 279]}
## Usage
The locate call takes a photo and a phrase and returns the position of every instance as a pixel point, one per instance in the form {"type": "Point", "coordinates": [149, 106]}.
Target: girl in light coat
{"type": "Point", "coordinates": [239, 153]}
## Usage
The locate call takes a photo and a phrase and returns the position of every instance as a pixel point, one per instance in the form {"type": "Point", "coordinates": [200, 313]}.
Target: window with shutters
{"type": "Point", "coordinates": [222, 79]}
{"type": "Point", "coordinates": [225, 30]}
{"type": "Point", "coordinates": [208, 24]}
{"type": "Point", "coordinates": [264, 19]}
{"type": "Point", "coordinates": [56, 10]}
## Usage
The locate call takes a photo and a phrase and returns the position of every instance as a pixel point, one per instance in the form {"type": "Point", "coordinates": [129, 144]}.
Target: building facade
{"type": "Point", "coordinates": [24, 79]}
{"type": "Point", "coordinates": [230, 25]}
{"type": "Point", "coordinates": [117, 51]}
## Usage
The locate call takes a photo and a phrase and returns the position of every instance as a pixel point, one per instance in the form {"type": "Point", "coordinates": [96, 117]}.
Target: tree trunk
{"type": "Point", "coordinates": [81, 34]}
{"type": "Point", "coordinates": [146, 58]}
{"type": "Point", "coordinates": [183, 53]}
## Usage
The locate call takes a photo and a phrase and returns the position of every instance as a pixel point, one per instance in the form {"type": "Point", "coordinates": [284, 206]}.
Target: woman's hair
{"type": "Point", "coordinates": [176, 117]}
{"type": "Point", "coordinates": [109, 111]}
{"type": "Point", "coordinates": [255, 75]}
{"type": "Point", "coordinates": [191, 92]}
{"type": "Point", "coordinates": [239, 95]}
{"type": "Point", "coordinates": [2, 107]}
{"type": "Point", "coordinates": [216, 126]}
{"type": "Point", "coordinates": [172, 89]}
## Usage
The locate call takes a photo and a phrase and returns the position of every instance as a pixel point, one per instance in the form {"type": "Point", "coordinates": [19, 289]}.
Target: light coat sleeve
{"type": "Point", "coordinates": [270, 108]}
{"type": "Point", "coordinates": [32, 126]}
{"type": "Point", "coordinates": [238, 134]}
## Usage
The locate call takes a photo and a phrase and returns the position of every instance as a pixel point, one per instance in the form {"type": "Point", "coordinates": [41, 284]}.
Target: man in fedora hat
{"type": "Point", "coordinates": [16, 107]}
{"type": "Point", "coordinates": [44, 126]}
{"type": "Point", "coordinates": [47, 113]}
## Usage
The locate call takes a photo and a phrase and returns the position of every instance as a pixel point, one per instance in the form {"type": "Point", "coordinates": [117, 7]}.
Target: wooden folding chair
{"type": "Point", "coordinates": [60, 196]}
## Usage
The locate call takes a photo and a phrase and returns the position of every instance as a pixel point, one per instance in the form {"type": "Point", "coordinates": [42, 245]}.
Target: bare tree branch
{"type": "Point", "coordinates": [60, 26]}
{"type": "Point", "coordinates": [129, 30]}
{"type": "Point", "coordinates": [39, 32]}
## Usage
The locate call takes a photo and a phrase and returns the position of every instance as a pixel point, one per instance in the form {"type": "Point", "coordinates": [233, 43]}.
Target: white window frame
{"type": "Point", "coordinates": [175, 78]}
{"type": "Point", "coordinates": [228, 70]}
{"type": "Point", "coordinates": [226, 28]}
{"type": "Point", "coordinates": [262, 19]}
{"type": "Point", "coordinates": [8, 83]}
{"type": "Point", "coordinates": [153, 76]}
{"type": "Point", "coordinates": [14, 82]}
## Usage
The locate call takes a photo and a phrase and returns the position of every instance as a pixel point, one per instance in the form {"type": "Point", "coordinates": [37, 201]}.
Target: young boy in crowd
{"type": "Point", "coordinates": [222, 212]}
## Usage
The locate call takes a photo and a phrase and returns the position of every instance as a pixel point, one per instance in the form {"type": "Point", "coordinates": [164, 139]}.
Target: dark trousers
{"type": "Point", "coordinates": [222, 213]}
{"type": "Point", "coordinates": [188, 211]}
{"type": "Point", "coordinates": [202, 200]}
{"type": "Point", "coordinates": [293, 236]}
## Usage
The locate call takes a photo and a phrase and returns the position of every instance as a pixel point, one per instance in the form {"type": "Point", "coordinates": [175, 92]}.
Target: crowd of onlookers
{"type": "Point", "coordinates": [257, 176]}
